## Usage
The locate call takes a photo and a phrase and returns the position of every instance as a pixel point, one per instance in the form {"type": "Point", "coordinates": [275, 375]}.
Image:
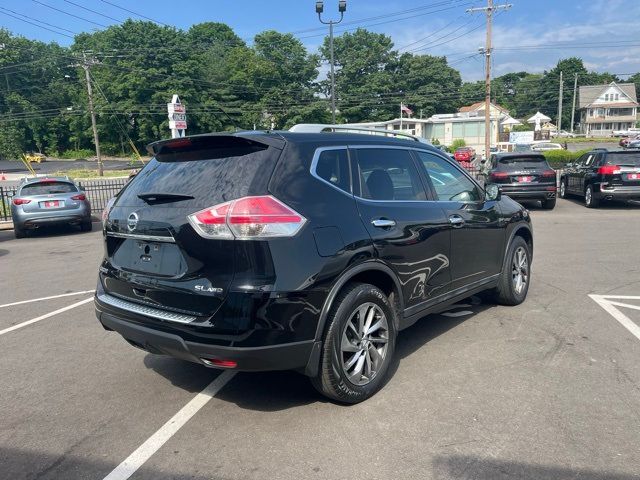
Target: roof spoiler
{"type": "Point", "coordinates": [212, 140]}
{"type": "Point", "coordinates": [324, 128]}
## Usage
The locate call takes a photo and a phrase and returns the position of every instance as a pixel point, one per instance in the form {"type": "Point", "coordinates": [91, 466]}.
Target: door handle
{"type": "Point", "coordinates": [456, 221]}
{"type": "Point", "coordinates": [383, 223]}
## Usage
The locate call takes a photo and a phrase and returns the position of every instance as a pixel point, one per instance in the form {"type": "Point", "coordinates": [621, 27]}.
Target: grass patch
{"type": "Point", "coordinates": [76, 154]}
{"type": "Point", "coordinates": [87, 173]}
{"type": "Point", "coordinates": [587, 140]}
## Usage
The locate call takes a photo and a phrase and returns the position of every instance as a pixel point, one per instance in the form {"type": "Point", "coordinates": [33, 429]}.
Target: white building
{"type": "Point", "coordinates": [607, 108]}
{"type": "Point", "coordinates": [467, 124]}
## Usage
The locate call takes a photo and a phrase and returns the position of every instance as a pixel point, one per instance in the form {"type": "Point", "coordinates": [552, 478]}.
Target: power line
{"type": "Point", "coordinates": [35, 24]}
{"type": "Point", "coordinates": [134, 13]}
{"type": "Point", "coordinates": [69, 14]}
{"type": "Point", "coordinates": [93, 11]}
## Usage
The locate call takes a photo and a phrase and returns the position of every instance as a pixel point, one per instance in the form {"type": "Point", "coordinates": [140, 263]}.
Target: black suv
{"type": "Point", "coordinates": [603, 175]}
{"type": "Point", "coordinates": [303, 251]}
{"type": "Point", "coordinates": [524, 176]}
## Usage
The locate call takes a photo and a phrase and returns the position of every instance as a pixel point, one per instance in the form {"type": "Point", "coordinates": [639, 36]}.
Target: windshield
{"type": "Point", "coordinates": [48, 188]}
{"type": "Point", "coordinates": [524, 161]}
{"type": "Point", "coordinates": [623, 158]}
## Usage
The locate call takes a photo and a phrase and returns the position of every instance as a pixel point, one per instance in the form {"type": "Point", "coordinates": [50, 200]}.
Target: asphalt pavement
{"type": "Point", "coordinates": [549, 389]}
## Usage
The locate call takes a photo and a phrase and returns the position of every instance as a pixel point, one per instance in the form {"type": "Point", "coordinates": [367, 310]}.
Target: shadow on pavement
{"type": "Point", "coordinates": [457, 467]}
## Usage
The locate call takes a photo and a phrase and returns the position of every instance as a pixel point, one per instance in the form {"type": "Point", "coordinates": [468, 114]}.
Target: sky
{"type": "Point", "coordinates": [532, 35]}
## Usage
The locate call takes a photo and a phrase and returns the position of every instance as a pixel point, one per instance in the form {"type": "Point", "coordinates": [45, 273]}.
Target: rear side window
{"type": "Point", "coordinates": [213, 170]}
{"type": "Point", "coordinates": [388, 174]}
{"type": "Point", "coordinates": [48, 188]}
{"type": "Point", "coordinates": [332, 166]}
{"type": "Point", "coordinates": [628, 159]}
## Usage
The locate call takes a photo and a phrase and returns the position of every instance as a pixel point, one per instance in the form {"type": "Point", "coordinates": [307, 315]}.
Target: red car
{"type": "Point", "coordinates": [624, 142]}
{"type": "Point", "coordinates": [465, 156]}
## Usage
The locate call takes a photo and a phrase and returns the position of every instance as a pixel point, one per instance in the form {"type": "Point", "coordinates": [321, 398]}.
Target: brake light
{"type": "Point", "coordinates": [80, 196]}
{"type": "Point", "coordinates": [549, 173]}
{"type": "Point", "coordinates": [498, 176]}
{"type": "Point", "coordinates": [20, 201]}
{"type": "Point", "coordinates": [247, 218]}
{"type": "Point", "coordinates": [609, 169]}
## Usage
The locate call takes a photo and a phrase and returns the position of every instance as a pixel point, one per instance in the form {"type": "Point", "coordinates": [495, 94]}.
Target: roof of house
{"type": "Point", "coordinates": [480, 106]}
{"type": "Point", "coordinates": [590, 93]}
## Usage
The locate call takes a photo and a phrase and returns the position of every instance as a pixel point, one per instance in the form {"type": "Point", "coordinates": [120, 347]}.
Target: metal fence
{"type": "Point", "coordinates": [97, 191]}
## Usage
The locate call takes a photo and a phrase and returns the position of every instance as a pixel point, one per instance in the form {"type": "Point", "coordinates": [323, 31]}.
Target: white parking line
{"type": "Point", "coordinates": [46, 315]}
{"type": "Point", "coordinates": [134, 461]}
{"type": "Point", "coordinates": [610, 308]}
{"type": "Point", "coordinates": [46, 298]}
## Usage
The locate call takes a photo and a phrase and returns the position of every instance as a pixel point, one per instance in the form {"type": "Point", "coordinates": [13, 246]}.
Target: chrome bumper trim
{"type": "Point", "coordinates": [144, 310]}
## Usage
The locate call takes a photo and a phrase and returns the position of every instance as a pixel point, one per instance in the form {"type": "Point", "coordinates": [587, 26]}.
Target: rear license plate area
{"type": "Point", "coordinates": [156, 258]}
{"type": "Point", "coordinates": [51, 204]}
{"type": "Point", "coordinates": [632, 176]}
{"type": "Point", "coordinates": [524, 179]}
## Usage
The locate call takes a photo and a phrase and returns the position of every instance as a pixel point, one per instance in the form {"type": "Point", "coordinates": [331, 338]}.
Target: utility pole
{"type": "Point", "coordinates": [488, 10]}
{"type": "Point", "coordinates": [560, 104]}
{"type": "Point", "coordinates": [575, 92]}
{"type": "Point", "coordinates": [342, 7]}
{"type": "Point", "coordinates": [86, 65]}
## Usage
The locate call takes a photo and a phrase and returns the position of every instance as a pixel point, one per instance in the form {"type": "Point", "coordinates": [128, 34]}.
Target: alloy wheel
{"type": "Point", "coordinates": [563, 189]}
{"type": "Point", "coordinates": [520, 270]}
{"type": "Point", "coordinates": [364, 343]}
{"type": "Point", "coordinates": [588, 196]}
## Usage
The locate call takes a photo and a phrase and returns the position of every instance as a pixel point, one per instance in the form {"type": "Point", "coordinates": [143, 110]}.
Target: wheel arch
{"type": "Point", "coordinates": [526, 233]}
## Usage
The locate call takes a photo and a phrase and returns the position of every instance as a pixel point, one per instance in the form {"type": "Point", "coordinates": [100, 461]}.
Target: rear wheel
{"type": "Point", "coordinates": [549, 204]}
{"type": "Point", "coordinates": [590, 200]}
{"type": "Point", "coordinates": [19, 232]}
{"type": "Point", "coordinates": [513, 284]}
{"type": "Point", "coordinates": [563, 188]}
{"type": "Point", "coordinates": [358, 345]}
{"type": "Point", "coordinates": [86, 226]}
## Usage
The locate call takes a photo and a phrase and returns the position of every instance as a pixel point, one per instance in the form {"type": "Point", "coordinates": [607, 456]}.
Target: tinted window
{"type": "Point", "coordinates": [589, 159]}
{"type": "Point", "coordinates": [333, 166]}
{"type": "Point", "coordinates": [449, 183]}
{"type": "Point", "coordinates": [623, 158]}
{"type": "Point", "coordinates": [48, 188]}
{"type": "Point", "coordinates": [521, 162]}
{"type": "Point", "coordinates": [388, 174]}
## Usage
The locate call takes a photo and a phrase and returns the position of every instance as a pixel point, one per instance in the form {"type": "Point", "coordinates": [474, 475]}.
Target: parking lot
{"type": "Point", "coordinates": [546, 390]}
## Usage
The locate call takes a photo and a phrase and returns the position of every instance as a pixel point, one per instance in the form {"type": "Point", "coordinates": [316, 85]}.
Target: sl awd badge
{"type": "Point", "coordinates": [204, 288]}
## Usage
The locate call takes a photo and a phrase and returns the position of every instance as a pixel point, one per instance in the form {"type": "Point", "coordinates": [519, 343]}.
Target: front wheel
{"type": "Point", "coordinates": [549, 204]}
{"type": "Point", "coordinates": [563, 188]}
{"type": "Point", "coordinates": [358, 345]}
{"type": "Point", "coordinates": [513, 284]}
{"type": "Point", "coordinates": [590, 200]}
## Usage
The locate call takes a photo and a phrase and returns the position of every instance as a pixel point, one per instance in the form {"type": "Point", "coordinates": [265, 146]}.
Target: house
{"type": "Point", "coordinates": [467, 124]}
{"type": "Point", "coordinates": [607, 108]}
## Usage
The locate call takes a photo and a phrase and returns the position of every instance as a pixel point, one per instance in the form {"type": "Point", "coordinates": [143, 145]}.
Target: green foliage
{"type": "Point", "coordinates": [457, 143]}
{"type": "Point", "coordinates": [435, 141]}
{"type": "Point", "coordinates": [558, 158]}
{"type": "Point", "coordinates": [76, 154]}
{"type": "Point", "coordinates": [521, 128]}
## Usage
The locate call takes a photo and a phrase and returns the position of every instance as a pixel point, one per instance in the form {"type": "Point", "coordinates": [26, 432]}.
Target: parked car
{"type": "Point", "coordinates": [563, 134]}
{"type": "Point", "coordinates": [545, 146]}
{"type": "Point", "coordinates": [635, 144]}
{"type": "Point", "coordinates": [603, 175]}
{"type": "Point", "coordinates": [41, 202]}
{"type": "Point", "coordinates": [624, 142]}
{"type": "Point", "coordinates": [466, 156]}
{"type": "Point", "coordinates": [303, 251]}
{"type": "Point", "coordinates": [524, 176]}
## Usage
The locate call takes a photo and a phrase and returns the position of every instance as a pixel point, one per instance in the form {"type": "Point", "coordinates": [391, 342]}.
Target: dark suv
{"type": "Point", "coordinates": [303, 251]}
{"type": "Point", "coordinates": [603, 175]}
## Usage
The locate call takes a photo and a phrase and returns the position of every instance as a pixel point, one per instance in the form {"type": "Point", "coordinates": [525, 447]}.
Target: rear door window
{"type": "Point", "coordinates": [332, 166]}
{"type": "Point", "coordinates": [623, 159]}
{"type": "Point", "coordinates": [388, 174]}
{"type": "Point", "coordinates": [48, 188]}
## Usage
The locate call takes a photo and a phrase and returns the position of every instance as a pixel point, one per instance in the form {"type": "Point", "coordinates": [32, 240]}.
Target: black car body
{"type": "Point", "coordinates": [603, 175]}
{"type": "Point", "coordinates": [190, 270]}
{"type": "Point", "coordinates": [524, 177]}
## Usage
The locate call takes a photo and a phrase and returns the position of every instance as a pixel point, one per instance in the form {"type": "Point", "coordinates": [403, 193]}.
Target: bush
{"type": "Point", "coordinates": [558, 158]}
{"type": "Point", "coordinates": [75, 154]}
{"type": "Point", "coordinates": [457, 143]}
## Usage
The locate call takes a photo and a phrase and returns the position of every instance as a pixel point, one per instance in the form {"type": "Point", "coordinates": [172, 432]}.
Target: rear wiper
{"type": "Point", "coordinates": [164, 197]}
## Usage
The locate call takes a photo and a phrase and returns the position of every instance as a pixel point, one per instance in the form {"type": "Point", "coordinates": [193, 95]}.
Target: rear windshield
{"type": "Point", "coordinates": [48, 188]}
{"type": "Point", "coordinates": [524, 161]}
{"type": "Point", "coordinates": [623, 158]}
{"type": "Point", "coordinates": [220, 169]}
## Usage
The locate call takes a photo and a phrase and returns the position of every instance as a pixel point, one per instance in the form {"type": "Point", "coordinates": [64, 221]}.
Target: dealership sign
{"type": "Point", "coordinates": [177, 117]}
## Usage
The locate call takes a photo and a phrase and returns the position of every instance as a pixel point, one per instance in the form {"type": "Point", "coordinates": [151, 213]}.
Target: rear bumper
{"type": "Point", "coordinates": [622, 193]}
{"type": "Point", "coordinates": [529, 194]}
{"type": "Point", "coordinates": [24, 221]}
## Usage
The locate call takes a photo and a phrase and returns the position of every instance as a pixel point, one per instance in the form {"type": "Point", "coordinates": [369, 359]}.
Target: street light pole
{"type": "Point", "coordinates": [342, 7]}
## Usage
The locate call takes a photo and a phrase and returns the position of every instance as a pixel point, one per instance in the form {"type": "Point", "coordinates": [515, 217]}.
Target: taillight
{"type": "Point", "coordinates": [549, 173]}
{"type": "Point", "coordinates": [498, 176]}
{"type": "Point", "coordinates": [20, 201]}
{"type": "Point", "coordinates": [247, 218]}
{"type": "Point", "coordinates": [80, 196]}
{"type": "Point", "coordinates": [609, 169]}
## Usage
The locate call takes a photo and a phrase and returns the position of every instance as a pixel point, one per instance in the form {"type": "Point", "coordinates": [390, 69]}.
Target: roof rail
{"type": "Point", "coordinates": [320, 127]}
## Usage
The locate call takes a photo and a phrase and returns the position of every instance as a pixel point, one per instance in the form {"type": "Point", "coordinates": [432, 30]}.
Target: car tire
{"type": "Point", "coordinates": [19, 232]}
{"type": "Point", "coordinates": [86, 226]}
{"type": "Point", "coordinates": [549, 204]}
{"type": "Point", "coordinates": [517, 264]}
{"type": "Point", "coordinates": [347, 350]}
{"type": "Point", "coordinates": [590, 200]}
{"type": "Point", "coordinates": [563, 188]}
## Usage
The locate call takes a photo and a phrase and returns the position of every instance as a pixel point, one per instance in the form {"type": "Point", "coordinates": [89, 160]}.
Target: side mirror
{"type": "Point", "coordinates": [493, 192]}
{"type": "Point", "coordinates": [483, 160]}
{"type": "Point", "coordinates": [569, 165]}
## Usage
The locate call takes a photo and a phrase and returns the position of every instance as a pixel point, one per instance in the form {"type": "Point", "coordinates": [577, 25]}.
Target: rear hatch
{"type": "Point", "coordinates": [47, 196]}
{"type": "Point", "coordinates": [153, 255]}
{"type": "Point", "coordinates": [526, 172]}
{"type": "Point", "coordinates": [621, 169]}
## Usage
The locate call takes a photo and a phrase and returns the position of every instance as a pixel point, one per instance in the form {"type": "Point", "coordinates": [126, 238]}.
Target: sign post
{"type": "Point", "coordinates": [177, 117]}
